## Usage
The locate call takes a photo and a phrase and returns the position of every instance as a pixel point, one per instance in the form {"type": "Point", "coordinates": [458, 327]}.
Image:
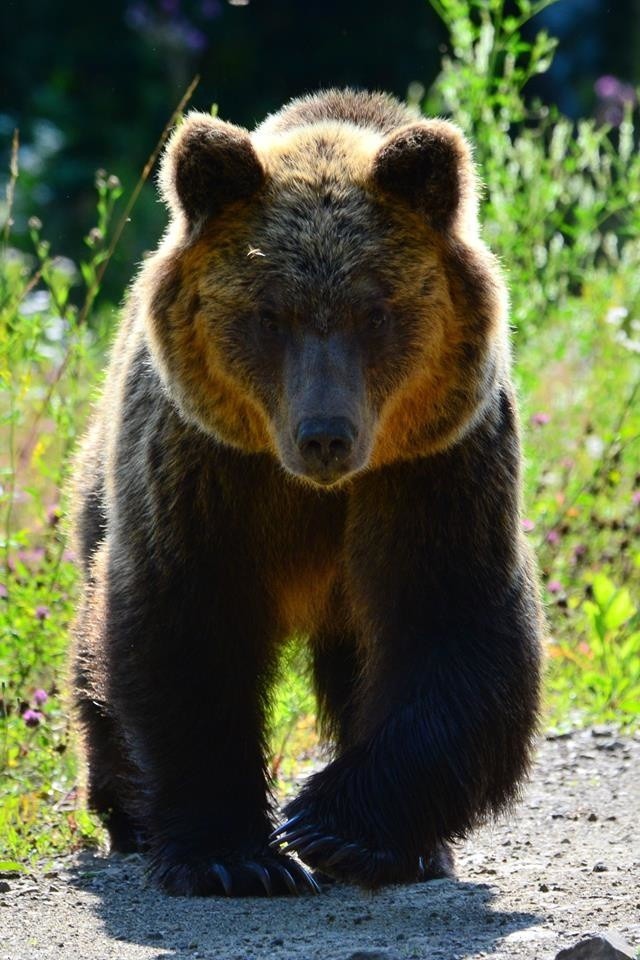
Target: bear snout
{"type": "Point", "coordinates": [326, 447]}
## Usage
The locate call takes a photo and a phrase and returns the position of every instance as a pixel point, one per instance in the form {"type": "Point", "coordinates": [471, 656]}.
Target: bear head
{"type": "Point", "coordinates": [322, 293]}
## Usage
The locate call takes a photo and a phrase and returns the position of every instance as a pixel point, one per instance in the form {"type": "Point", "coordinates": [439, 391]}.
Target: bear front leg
{"type": "Point", "coordinates": [447, 604]}
{"type": "Point", "coordinates": [187, 665]}
{"type": "Point", "coordinates": [451, 749]}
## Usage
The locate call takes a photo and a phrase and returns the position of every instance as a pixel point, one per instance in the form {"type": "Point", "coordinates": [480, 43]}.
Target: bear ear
{"type": "Point", "coordinates": [208, 164]}
{"type": "Point", "coordinates": [428, 164]}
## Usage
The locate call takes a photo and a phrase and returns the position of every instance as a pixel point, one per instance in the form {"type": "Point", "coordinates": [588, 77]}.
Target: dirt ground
{"type": "Point", "coordinates": [565, 864]}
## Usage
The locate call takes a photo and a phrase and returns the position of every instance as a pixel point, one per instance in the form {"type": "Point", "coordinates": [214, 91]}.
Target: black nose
{"type": "Point", "coordinates": [326, 444]}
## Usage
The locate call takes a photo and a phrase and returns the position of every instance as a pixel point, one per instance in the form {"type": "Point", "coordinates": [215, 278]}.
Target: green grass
{"type": "Point", "coordinates": [561, 209]}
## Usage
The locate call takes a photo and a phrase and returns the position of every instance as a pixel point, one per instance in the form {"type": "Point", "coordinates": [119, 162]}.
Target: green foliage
{"type": "Point", "coordinates": [561, 200]}
{"type": "Point", "coordinates": [561, 209]}
{"type": "Point", "coordinates": [49, 365]}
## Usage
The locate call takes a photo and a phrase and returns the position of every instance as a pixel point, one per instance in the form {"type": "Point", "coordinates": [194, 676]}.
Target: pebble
{"type": "Point", "coordinates": [603, 730]}
{"type": "Point", "coordinates": [607, 946]}
{"type": "Point", "coordinates": [370, 955]}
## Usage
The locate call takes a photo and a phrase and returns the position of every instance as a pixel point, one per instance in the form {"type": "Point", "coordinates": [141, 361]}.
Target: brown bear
{"type": "Point", "coordinates": [308, 427]}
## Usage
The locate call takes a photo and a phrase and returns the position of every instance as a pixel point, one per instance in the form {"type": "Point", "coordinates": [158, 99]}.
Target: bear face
{"type": "Point", "coordinates": [322, 293]}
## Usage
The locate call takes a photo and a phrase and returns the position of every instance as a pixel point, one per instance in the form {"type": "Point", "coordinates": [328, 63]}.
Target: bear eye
{"type": "Point", "coordinates": [269, 322]}
{"type": "Point", "coordinates": [378, 318]}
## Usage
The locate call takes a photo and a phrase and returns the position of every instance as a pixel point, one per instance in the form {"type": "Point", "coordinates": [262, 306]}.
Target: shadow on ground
{"type": "Point", "coordinates": [439, 919]}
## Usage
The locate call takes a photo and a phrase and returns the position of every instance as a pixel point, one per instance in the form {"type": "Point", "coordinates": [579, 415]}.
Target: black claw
{"type": "Point", "coordinates": [224, 877]}
{"type": "Point", "coordinates": [262, 874]}
{"type": "Point", "coordinates": [285, 826]}
{"type": "Point", "coordinates": [311, 880]}
{"type": "Point", "coordinates": [304, 836]}
{"type": "Point", "coordinates": [290, 883]}
{"type": "Point", "coordinates": [341, 853]}
{"type": "Point", "coordinates": [305, 849]}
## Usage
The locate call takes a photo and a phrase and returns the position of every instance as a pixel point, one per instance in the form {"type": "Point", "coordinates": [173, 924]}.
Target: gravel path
{"type": "Point", "coordinates": [565, 865]}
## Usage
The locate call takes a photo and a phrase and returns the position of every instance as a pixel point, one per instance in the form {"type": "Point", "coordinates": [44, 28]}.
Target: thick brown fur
{"type": "Point", "coordinates": [308, 426]}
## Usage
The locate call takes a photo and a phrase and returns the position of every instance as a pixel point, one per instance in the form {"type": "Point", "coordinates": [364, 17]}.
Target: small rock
{"type": "Point", "coordinates": [543, 888]}
{"type": "Point", "coordinates": [602, 730]}
{"type": "Point", "coordinates": [4, 886]}
{"type": "Point", "coordinates": [607, 946]}
{"type": "Point", "coordinates": [555, 734]}
{"type": "Point", "coordinates": [610, 745]}
{"type": "Point", "coordinates": [370, 955]}
{"type": "Point", "coordinates": [592, 817]}
{"type": "Point", "coordinates": [600, 867]}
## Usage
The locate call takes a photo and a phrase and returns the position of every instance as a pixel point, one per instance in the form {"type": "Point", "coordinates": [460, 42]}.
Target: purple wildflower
{"type": "Point", "coordinates": [42, 612]}
{"type": "Point", "coordinates": [40, 697]}
{"type": "Point", "coordinates": [528, 525]}
{"type": "Point", "coordinates": [540, 419]}
{"type": "Point", "coordinates": [32, 718]}
{"type": "Point", "coordinates": [553, 536]}
{"type": "Point", "coordinates": [53, 515]}
{"type": "Point", "coordinates": [554, 586]}
{"type": "Point", "coordinates": [635, 498]}
{"type": "Point", "coordinates": [31, 558]}
{"type": "Point", "coordinates": [3, 591]}
{"type": "Point", "coordinates": [614, 95]}
{"type": "Point", "coordinates": [607, 87]}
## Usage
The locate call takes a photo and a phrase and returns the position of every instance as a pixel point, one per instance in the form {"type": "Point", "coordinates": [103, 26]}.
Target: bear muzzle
{"type": "Point", "coordinates": [326, 446]}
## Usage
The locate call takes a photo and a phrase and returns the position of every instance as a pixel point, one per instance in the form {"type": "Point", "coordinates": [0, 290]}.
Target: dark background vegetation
{"type": "Point", "coordinates": [91, 85]}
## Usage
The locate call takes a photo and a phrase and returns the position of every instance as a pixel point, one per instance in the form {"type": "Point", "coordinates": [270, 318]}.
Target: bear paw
{"type": "Point", "coordinates": [263, 875]}
{"type": "Point", "coordinates": [343, 859]}
{"type": "Point", "coordinates": [357, 862]}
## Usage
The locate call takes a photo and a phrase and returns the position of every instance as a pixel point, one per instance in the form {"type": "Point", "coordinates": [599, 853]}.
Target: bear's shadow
{"type": "Point", "coordinates": [447, 918]}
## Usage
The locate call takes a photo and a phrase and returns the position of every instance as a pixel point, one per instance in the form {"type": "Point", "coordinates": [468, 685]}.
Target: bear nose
{"type": "Point", "coordinates": [325, 444]}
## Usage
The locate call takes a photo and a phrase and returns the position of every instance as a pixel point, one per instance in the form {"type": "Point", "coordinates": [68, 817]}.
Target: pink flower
{"type": "Point", "coordinates": [40, 697]}
{"type": "Point", "coordinates": [540, 419]}
{"type": "Point", "coordinates": [42, 612]}
{"type": "Point", "coordinates": [3, 591]}
{"type": "Point", "coordinates": [553, 536]}
{"type": "Point", "coordinates": [53, 515]}
{"type": "Point", "coordinates": [554, 586]}
{"type": "Point", "coordinates": [607, 87]}
{"type": "Point", "coordinates": [32, 718]}
{"type": "Point", "coordinates": [528, 525]}
{"type": "Point", "coordinates": [635, 497]}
